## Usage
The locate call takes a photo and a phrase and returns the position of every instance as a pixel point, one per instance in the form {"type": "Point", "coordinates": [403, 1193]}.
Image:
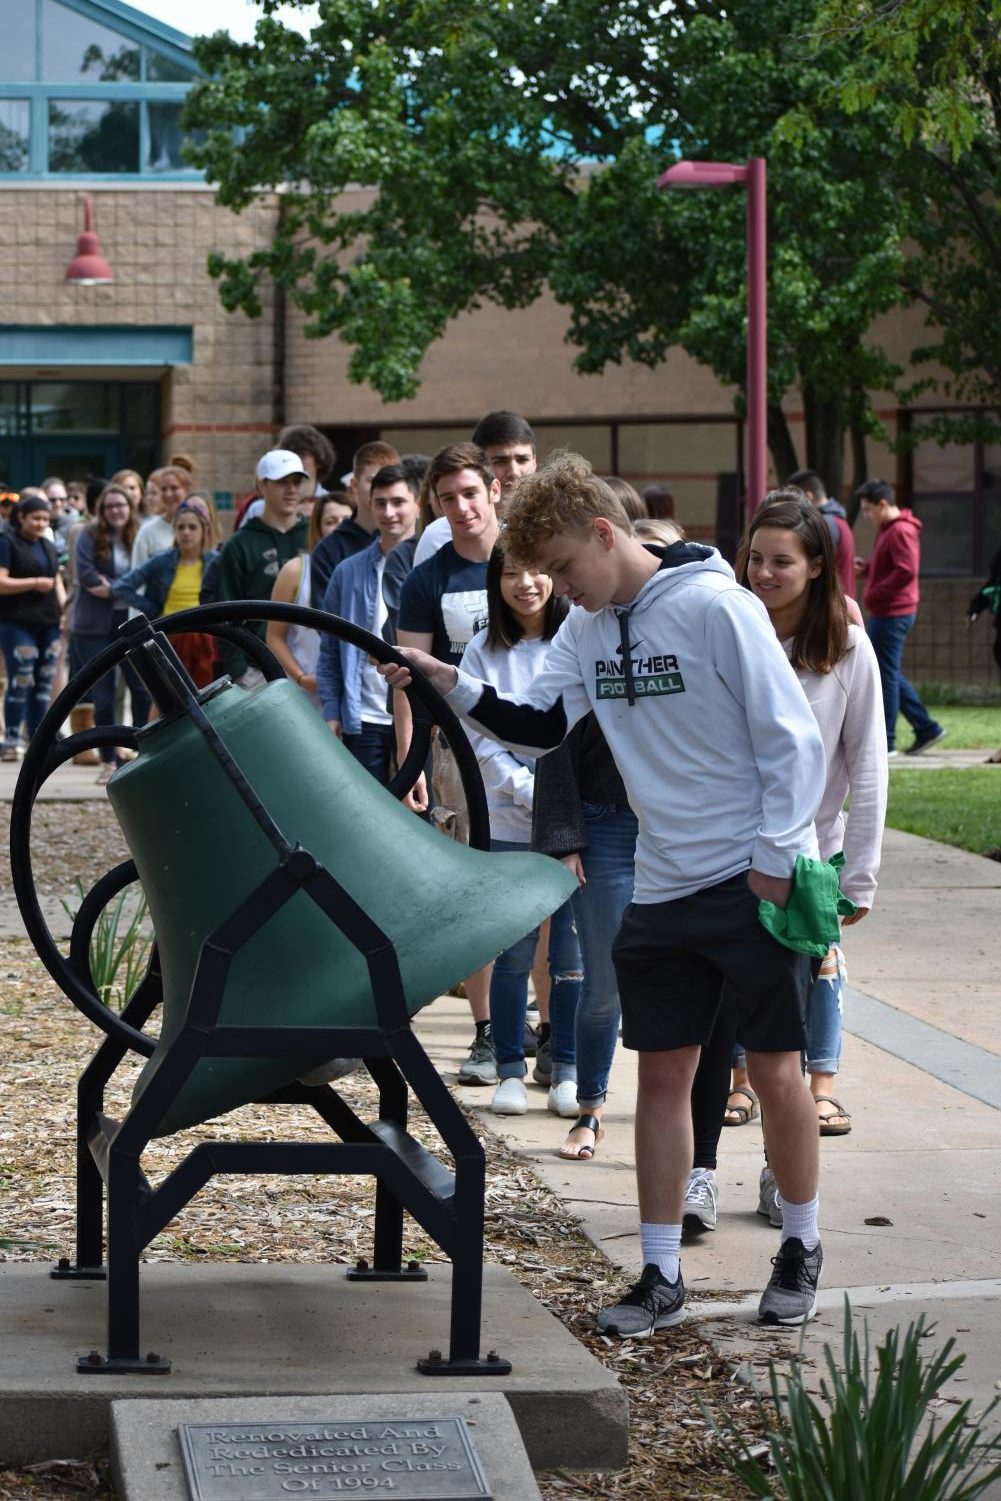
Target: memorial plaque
{"type": "Point", "coordinates": [427, 1459]}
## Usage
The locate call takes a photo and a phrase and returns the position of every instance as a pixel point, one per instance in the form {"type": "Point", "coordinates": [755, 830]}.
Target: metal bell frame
{"type": "Point", "coordinates": [447, 1204]}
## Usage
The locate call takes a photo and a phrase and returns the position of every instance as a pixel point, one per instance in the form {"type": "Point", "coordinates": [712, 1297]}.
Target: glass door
{"type": "Point", "coordinates": [74, 458]}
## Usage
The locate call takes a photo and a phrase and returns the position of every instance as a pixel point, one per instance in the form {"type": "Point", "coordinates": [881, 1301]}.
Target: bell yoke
{"type": "Point", "coordinates": [263, 849]}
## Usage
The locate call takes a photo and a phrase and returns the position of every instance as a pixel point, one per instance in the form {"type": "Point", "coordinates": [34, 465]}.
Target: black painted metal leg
{"type": "Point", "coordinates": [388, 1265]}
{"type": "Point", "coordinates": [124, 1249]}
{"type": "Point", "coordinates": [89, 1188]}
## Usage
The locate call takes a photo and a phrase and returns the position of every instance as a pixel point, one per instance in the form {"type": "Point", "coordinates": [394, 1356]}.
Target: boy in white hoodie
{"type": "Point", "coordinates": [724, 767]}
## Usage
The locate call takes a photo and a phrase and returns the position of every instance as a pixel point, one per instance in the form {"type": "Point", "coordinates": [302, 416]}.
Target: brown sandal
{"type": "Point", "coordinates": [572, 1152]}
{"type": "Point", "coordinates": [839, 1113]}
{"type": "Point", "coordinates": [744, 1113]}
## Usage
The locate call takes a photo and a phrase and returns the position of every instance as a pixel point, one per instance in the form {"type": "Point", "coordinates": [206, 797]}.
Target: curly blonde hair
{"type": "Point", "coordinates": [563, 495]}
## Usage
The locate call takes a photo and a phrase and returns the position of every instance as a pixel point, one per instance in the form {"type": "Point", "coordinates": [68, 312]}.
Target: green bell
{"type": "Point", "coordinates": [199, 852]}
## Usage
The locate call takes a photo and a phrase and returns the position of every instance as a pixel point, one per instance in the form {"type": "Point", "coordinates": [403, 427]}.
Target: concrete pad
{"type": "Point", "coordinates": [252, 1331]}
{"type": "Point", "coordinates": [146, 1456]}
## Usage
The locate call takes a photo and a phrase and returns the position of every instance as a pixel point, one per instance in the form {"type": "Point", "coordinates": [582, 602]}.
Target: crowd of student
{"type": "Point", "coordinates": [684, 739]}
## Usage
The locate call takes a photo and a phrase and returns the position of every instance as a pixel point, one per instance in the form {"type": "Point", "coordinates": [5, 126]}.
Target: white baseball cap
{"type": "Point", "coordinates": [279, 463]}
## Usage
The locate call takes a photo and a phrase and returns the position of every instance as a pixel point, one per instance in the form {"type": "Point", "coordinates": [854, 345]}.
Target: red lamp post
{"type": "Point", "coordinates": [687, 174]}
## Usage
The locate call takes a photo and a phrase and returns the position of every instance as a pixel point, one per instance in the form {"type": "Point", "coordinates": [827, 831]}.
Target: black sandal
{"type": "Point", "coordinates": [584, 1153]}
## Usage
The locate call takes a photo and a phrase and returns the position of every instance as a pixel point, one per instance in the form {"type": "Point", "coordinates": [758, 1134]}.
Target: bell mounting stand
{"type": "Point", "coordinates": [448, 1203]}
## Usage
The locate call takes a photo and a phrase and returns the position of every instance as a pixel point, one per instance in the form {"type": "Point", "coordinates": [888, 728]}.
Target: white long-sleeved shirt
{"type": "Point", "coordinates": [847, 704]}
{"type": "Point", "coordinates": [722, 760]}
{"type": "Point", "coordinates": [508, 777]}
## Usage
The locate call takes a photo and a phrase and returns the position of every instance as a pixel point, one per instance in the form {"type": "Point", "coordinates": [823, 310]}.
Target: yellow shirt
{"type": "Point", "coordinates": [186, 588]}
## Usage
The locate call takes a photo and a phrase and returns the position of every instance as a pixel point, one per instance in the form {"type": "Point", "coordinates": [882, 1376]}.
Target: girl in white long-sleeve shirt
{"type": "Point", "coordinates": [785, 560]}
{"type": "Point", "coordinates": [523, 617]}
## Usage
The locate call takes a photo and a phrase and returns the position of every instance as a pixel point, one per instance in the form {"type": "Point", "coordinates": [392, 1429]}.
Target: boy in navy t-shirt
{"type": "Point", "coordinates": [442, 606]}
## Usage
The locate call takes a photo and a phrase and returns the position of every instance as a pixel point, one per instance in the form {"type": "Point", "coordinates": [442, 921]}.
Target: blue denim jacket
{"type": "Point", "coordinates": [157, 575]}
{"type": "Point", "coordinates": [350, 594]}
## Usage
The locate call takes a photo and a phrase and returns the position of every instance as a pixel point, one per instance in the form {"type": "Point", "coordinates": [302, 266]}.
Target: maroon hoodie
{"type": "Point", "coordinates": [891, 576]}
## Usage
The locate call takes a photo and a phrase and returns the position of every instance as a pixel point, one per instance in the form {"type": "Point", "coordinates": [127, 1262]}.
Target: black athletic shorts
{"type": "Point", "coordinates": [672, 959]}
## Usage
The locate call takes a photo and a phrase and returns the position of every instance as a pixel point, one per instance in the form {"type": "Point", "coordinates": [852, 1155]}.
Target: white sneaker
{"type": "Point", "coordinates": [510, 1098]}
{"type": "Point", "coordinates": [563, 1099]}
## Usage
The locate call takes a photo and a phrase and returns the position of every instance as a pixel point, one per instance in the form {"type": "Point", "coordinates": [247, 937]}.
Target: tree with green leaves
{"type": "Point", "coordinates": [936, 66]}
{"type": "Point", "coordinates": [939, 59]}
{"type": "Point", "coordinates": [510, 147]}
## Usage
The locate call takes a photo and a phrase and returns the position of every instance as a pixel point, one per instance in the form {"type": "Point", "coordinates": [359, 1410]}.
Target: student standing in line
{"type": "Point", "coordinates": [181, 578]}
{"type": "Point", "coordinates": [358, 531]}
{"type": "Point", "coordinates": [252, 557]}
{"type": "Point", "coordinates": [353, 697]}
{"type": "Point", "coordinates": [787, 560]}
{"type": "Point", "coordinates": [523, 617]}
{"type": "Point", "coordinates": [32, 599]}
{"type": "Point", "coordinates": [724, 765]}
{"type": "Point", "coordinates": [443, 604]}
{"type": "Point", "coordinates": [297, 647]}
{"type": "Point", "coordinates": [101, 552]}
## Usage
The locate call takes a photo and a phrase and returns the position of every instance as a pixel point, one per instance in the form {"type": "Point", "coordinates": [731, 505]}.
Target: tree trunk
{"type": "Point", "coordinates": [860, 468]}
{"type": "Point", "coordinates": [825, 439]}
{"type": "Point", "coordinates": [780, 444]}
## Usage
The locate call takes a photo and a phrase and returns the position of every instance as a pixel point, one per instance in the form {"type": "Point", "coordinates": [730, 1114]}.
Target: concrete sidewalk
{"type": "Point", "coordinates": [909, 1201]}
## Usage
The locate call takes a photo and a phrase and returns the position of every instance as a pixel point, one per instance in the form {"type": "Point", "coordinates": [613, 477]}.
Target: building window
{"type": "Point", "coordinates": [955, 490]}
{"type": "Point", "coordinates": [88, 135]}
{"type": "Point", "coordinates": [76, 48]}
{"type": "Point", "coordinates": [104, 100]}
{"type": "Point", "coordinates": [15, 117]}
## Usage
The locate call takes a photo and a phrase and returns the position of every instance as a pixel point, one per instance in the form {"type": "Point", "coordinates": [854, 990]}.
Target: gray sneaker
{"type": "Point", "coordinates": [654, 1303]}
{"type": "Point", "coordinates": [542, 1073]}
{"type": "Point", "coordinates": [701, 1196]}
{"type": "Point", "coordinates": [925, 742]}
{"type": "Point", "coordinates": [481, 1065]}
{"type": "Point", "coordinates": [769, 1198]}
{"type": "Point", "coordinates": [791, 1294]}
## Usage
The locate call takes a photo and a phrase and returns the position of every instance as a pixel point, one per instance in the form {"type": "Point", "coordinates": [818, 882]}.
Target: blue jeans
{"type": "Point", "coordinates": [608, 862]}
{"type": "Point", "coordinates": [509, 993]}
{"type": "Point", "coordinates": [30, 654]}
{"type": "Point", "coordinates": [373, 747]}
{"type": "Point", "coordinates": [83, 649]}
{"type": "Point", "coordinates": [888, 634]}
{"type": "Point", "coordinates": [823, 1022]}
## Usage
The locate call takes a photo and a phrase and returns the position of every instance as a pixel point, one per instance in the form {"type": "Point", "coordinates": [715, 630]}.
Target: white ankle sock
{"type": "Point", "coordinates": [662, 1245]}
{"type": "Point", "coordinates": [801, 1221]}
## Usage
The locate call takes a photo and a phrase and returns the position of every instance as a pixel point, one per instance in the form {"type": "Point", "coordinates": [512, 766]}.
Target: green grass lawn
{"type": "Point", "coordinates": [971, 727]}
{"type": "Point", "coordinates": [960, 806]}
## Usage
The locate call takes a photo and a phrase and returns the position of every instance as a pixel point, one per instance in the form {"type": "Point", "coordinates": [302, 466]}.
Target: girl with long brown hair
{"type": "Point", "coordinates": [102, 552]}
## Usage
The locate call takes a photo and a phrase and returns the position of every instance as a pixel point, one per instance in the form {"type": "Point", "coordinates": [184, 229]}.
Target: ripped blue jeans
{"type": "Point", "coordinates": [823, 1015]}
{"type": "Point", "coordinates": [509, 993]}
{"type": "Point", "coordinates": [30, 654]}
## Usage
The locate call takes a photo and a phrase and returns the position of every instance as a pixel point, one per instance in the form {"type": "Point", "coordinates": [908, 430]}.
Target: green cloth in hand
{"type": "Point", "coordinates": [809, 922]}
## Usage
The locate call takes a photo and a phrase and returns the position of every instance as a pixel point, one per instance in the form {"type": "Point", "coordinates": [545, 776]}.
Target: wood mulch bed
{"type": "Point", "coordinates": [675, 1383]}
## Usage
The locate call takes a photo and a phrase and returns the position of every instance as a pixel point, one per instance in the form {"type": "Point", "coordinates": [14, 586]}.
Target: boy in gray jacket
{"type": "Point", "coordinates": [724, 767]}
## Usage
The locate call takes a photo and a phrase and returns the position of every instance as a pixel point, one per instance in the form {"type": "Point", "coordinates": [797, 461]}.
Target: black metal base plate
{"type": "Point", "coordinates": [373, 1274]}
{"type": "Point", "coordinates": [64, 1272]}
{"type": "Point", "coordinates": [492, 1366]}
{"type": "Point", "coordinates": [95, 1364]}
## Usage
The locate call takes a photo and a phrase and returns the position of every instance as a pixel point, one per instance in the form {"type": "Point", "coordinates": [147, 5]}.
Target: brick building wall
{"type": "Point", "coordinates": [220, 408]}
